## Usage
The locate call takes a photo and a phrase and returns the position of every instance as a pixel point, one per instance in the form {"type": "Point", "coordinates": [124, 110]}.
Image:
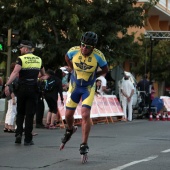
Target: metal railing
{"type": "Point", "coordinates": [157, 34]}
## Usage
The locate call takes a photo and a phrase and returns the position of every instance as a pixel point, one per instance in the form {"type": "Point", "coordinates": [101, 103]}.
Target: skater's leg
{"type": "Point", "coordinates": [69, 118]}
{"type": "Point", "coordinates": [70, 128]}
{"type": "Point", "coordinates": [73, 98]}
{"type": "Point", "coordinates": [86, 124]}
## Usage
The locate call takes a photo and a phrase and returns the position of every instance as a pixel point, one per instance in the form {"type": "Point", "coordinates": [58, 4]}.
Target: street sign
{"type": "Point", "coordinates": [1, 47]}
{"type": "Point", "coordinates": [1, 43]}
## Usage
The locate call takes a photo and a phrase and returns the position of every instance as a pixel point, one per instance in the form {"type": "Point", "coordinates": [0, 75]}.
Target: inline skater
{"type": "Point", "coordinates": [83, 62]}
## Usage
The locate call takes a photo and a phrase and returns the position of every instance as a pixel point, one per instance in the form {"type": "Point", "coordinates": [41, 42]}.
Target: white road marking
{"type": "Point", "coordinates": [166, 151]}
{"type": "Point", "coordinates": [135, 162]}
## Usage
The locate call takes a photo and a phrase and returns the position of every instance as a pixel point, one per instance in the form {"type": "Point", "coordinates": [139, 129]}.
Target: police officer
{"type": "Point", "coordinates": [28, 67]}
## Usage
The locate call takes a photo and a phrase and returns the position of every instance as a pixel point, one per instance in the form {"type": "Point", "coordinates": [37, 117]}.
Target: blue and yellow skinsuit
{"type": "Point", "coordinates": [82, 81]}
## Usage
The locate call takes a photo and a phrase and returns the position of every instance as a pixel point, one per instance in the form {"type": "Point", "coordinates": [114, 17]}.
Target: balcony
{"type": "Point", "coordinates": [159, 16]}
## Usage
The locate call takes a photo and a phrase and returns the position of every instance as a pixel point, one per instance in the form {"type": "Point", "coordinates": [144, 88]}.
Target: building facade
{"type": "Point", "coordinates": [158, 20]}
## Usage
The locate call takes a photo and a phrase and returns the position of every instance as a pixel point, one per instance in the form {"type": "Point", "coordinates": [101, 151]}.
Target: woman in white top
{"type": "Point", "coordinates": [104, 89]}
{"type": "Point", "coordinates": [98, 87]}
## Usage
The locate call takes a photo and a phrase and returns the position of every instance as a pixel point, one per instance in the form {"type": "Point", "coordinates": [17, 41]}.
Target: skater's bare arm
{"type": "Point", "coordinates": [69, 63]}
{"type": "Point", "coordinates": [103, 71]}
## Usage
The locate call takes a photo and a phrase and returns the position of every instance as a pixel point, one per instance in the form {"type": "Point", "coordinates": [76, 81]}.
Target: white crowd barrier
{"type": "Point", "coordinates": [103, 106]}
{"type": "Point", "coordinates": [2, 109]}
{"type": "Point", "coordinates": [166, 101]}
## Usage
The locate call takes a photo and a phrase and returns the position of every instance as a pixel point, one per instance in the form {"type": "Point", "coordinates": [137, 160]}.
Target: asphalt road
{"type": "Point", "coordinates": [137, 145]}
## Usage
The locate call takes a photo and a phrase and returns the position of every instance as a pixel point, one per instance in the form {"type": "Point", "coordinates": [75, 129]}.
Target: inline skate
{"type": "Point", "coordinates": [67, 136]}
{"type": "Point", "coordinates": [84, 149]}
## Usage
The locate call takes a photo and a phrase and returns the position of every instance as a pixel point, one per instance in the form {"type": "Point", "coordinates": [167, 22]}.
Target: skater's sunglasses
{"type": "Point", "coordinates": [86, 46]}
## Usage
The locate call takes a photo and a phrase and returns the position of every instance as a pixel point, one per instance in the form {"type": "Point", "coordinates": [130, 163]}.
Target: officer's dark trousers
{"type": "Point", "coordinates": [27, 97]}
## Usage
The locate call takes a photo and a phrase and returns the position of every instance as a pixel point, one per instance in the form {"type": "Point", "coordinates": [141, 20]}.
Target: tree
{"type": "Point", "coordinates": [161, 58]}
{"type": "Point", "coordinates": [58, 25]}
{"type": "Point", "coordinates": [45, 22]}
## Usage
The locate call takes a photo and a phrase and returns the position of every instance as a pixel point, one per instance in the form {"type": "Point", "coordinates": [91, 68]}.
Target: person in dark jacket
{"type": "Point", "coordinates": [40, 106]}
{"type": "Point", "coordinates": [143, 87]}
{"type": "Point", "coordinates": [51, 97]}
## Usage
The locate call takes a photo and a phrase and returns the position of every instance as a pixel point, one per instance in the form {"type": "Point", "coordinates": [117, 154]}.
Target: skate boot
{"type": "Point", "coordinates": [67, 136]}
{"type": "Point", "coordinates": [84, 149]}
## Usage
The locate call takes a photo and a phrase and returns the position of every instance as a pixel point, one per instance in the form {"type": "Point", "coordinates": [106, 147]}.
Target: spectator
{"type": "Point", "coordinates": [65, 83]}
{"type": "Point", "coordinates": [127, 90]}
{"type": "Point", "coordinates": [40, 107]}
{"type": "Point", "coordinates": [104, 90]}
{"type": "Point", "coordinates": [12, 100]}
{"type": "Point", "coordinates": [59, 74]}
{"type": "Point", "coordinates": [152, 92]}
{"type": "Point", "coordinates": [51, 97]}
{"type": "Point", "coordinates": [98, 87]}
{"type": "Point", "coordinates": [143, 87]}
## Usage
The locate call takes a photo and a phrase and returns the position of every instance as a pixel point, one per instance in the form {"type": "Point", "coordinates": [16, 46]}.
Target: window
{"type": "Point", "coordinates": [163, 2]}
{"type": "Point", "coordinates": [168, 4]}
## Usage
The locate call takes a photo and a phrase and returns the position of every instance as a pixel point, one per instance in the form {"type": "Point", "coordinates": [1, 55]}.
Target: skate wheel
{"type": "Point", "coordinates": [62, 146]}
{"type": "Point", "coordinates": [84, 158]}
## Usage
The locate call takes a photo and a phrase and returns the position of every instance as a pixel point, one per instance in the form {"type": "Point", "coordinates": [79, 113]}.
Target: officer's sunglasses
{"type": "Point", "coordinates": [86, 46]}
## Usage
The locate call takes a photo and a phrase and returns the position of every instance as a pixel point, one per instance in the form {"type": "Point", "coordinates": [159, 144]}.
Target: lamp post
{"type": "Point", "coordinates": [9, 48]}
{"type": "Point", "coordinates": [9, 53]}
{"type": "Point", "coordinates": [150, 79]}
{"type": "Point", "coordinates": [154, 35]}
